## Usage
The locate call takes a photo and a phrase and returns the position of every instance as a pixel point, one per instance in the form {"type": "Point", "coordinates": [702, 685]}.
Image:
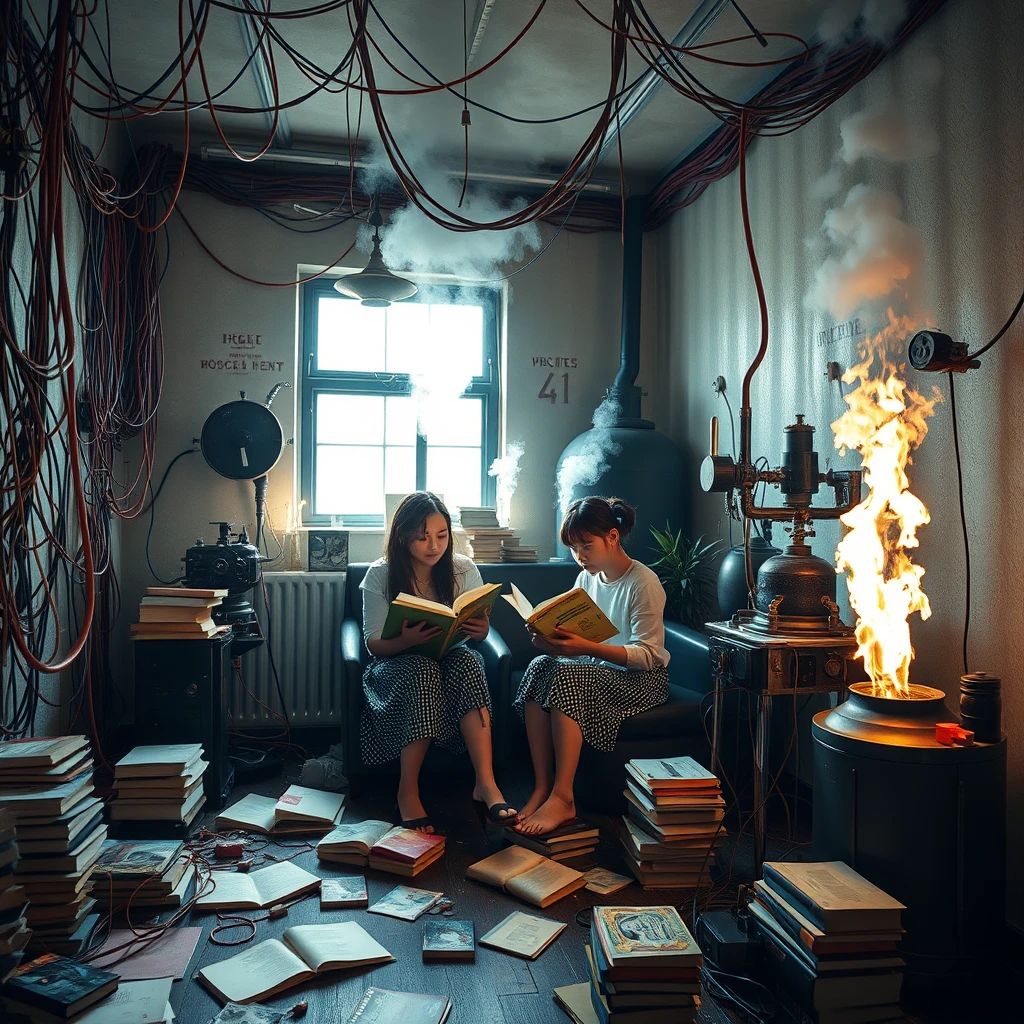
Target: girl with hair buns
{"type": "Point", "coordinates": [411, 700]}
{"type": "Point", "coordinates": [581, 690]}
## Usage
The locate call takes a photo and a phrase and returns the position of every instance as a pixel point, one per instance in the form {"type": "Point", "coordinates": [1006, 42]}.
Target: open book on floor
{"type": "Point", "coordinates": [236, 890]}
{"type": "Point", "coordinates": [407, 607]}
{"type": "Point", "coordinates": [572, 612]}
{"type": "Point", "coordinates": [350, 842]}
{"type": "Point", "coordinates": [305, 951]}
{"type": "Point", "coordinates": [298, 809]}
{"type": "Point", "coordinates": [533, 878]}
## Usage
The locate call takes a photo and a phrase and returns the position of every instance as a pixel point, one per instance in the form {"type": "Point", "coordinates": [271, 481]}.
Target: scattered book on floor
{"type": "Point", "coordinates": [303, 952]}
{"type": "Point", "coordinates": [834, 896]}
{"type": "Point", "coordinates": [446, 939]}
{"type": "Point", "coordinates": [350, 842]}
{"type": "Point", "coordinates": [528, 875]}
{"type": "Point", "coordinates": [137, 859]}
{"type": "Point", "coordinates": [523, 935]}
{"type": "Point", "coordinates": [605, 882]}
{"type": "Point", "coordinates": [59, 986]}
{"type": "Point", "coordinates": [267, 815]}
{"type": "Point", "coordinates": [404, 851]}
{"type": "Point", "coordinates": [345, 893]}
{"type": "Point", "coordinates": [575, 1001]}
{"type": "Point", "coordinates": [265, 887]}
{"type": "Point", "coordinates": [381, 1006]}
{"type": "Point", "coordinates": [145, 1000]}
{"type": "Point", "coordinates": [408, 607]}
{"type": "Point", "coordinates": [573, 612]}
{"type": "Point", "coordinates": [406, 903]}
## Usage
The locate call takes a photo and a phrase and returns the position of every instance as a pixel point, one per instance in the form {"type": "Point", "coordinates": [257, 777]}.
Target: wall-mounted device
{"type": "Point", "coordinates": [935, 352]}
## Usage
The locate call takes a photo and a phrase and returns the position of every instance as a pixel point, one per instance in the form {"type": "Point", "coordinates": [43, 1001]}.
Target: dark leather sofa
{"type": "Point", "coordinates": [670, 730]}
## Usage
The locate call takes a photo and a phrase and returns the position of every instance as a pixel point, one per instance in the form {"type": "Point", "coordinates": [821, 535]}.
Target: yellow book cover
{"type": "Point", "coordinates": [573, 612]}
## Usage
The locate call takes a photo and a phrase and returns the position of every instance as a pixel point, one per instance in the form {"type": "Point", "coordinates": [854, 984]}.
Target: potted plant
{"type": "Point", "coordinates": [685, 570]}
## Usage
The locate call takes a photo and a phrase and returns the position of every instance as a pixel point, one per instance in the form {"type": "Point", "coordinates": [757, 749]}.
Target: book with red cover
{"type": "Point", "coordinates": [406, 845]}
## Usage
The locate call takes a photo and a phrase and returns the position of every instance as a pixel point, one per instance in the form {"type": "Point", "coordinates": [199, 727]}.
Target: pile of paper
{"type": "Point", "coordinates": [46, 787]}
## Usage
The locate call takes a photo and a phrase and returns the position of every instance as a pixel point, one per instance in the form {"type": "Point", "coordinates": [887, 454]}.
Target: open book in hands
{"type": "Point", "coordinates": [572, 612]}
{"type": "Point", "coordinates": [307, 950]}
{"type": "Point", "coordinates": [536, 879]}
{"type": "Point", "coordinates": [408, 608]}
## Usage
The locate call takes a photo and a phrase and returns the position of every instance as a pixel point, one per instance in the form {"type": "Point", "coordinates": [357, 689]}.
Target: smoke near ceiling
{"type": "Point", "coordinates": [888, 135]}
{"type": "Point", "coordinates": [589, 463]}
{"type": "Point", "coordinates": [845, 20]}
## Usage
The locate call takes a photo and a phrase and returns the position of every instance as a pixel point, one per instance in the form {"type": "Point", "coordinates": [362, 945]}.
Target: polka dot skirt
{"type": "Point", "coordinates": [594, 695]}
{"type": "Point", "coordinates": [410, 697]}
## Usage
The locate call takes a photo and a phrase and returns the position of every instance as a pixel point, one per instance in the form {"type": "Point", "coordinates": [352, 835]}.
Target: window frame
{"type": "Point", "coordinates": [485, 388]}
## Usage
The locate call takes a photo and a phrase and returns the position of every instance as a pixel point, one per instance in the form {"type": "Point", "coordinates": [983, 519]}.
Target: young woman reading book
{"type": "Point", "coordinates": [410, 699]}
{"type": "Point", "coordinates": [581, 690]}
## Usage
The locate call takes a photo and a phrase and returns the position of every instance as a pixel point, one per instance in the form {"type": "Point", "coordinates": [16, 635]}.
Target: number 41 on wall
{"type": "Point", "coordinates": [548, 392]}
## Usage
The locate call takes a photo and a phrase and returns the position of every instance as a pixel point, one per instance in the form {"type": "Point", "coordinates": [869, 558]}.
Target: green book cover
{"type": "Point", "coordinates": [469, 605]}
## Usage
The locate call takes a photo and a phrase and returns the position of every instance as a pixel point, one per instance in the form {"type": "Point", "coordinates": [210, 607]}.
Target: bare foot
{"type": "Point", "coordinates": [537, 797]}
{"type": "Point", "coordinates": [491, 795]}
{"type": "Point", "coordinates": [410, 808]}
{"type": "Point", "coordinates": [552, 813]}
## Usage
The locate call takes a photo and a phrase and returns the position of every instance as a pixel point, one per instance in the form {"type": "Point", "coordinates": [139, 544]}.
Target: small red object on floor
{"type": "Point", "coordinates": [952, 735]}
{"type": "Point", "coordinates": [225, 851]}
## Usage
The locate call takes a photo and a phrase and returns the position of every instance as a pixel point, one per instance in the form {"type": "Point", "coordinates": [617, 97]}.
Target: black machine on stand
{"type": "Point", "coordinates": [792, 639]}
{"type": "Point", "coordinates": [182, 688]}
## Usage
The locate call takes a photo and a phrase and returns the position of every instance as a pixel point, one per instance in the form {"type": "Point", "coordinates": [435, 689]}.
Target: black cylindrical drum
{"type": "Point", "coordinates": [981, 706]}
{"type": "Point", "coordinates": [799, 464]}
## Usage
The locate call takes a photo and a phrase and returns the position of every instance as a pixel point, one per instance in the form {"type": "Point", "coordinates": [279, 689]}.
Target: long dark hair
{"type": "Point", "coordinates": [408, 524]}
{"type": "Point", "coordinates": [596, 517]}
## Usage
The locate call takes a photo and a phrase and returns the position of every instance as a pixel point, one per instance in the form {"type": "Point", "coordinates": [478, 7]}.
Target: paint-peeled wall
{"type": "Point", "coordinates": [960, 78]}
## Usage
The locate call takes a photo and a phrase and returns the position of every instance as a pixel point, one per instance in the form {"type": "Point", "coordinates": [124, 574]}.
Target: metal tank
{"type": "Point", "coordinates": [645, 468]}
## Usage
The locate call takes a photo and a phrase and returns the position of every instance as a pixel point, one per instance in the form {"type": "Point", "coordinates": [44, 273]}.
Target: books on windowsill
{"type": "Point", "coordinates": [303, 952]}
{"type": "Point", "coordinates": [350, 842]}
{"type": "Point", "coordinates": [266, 887]}
{"type": "Point", "coordinates": [572, 612]}
{"type": "Point", "coordinates": [404, 851]}
{"type": "Point", "coordinates": [178, 613]}
{"type": "Point", "coordinates": [576, 838]}
{"type": "Point", "coordinates": [674, 822]}
{"type": "Point", "coordinates": [298, 809]}
{"type": "Point", "coordinates": [644, 965]}
{"type": "Point", "coordinates": [831, 937]}
{"type": "Point", "coordinates": [409, 608]}
{"type": "Point", "coordinates": [46, 790]}
{"type": "Point", "coordinates": [528, 875]}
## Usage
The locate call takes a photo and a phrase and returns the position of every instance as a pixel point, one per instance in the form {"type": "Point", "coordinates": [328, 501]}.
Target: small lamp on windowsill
{"type": "Point", "coordinates": [375, 285]}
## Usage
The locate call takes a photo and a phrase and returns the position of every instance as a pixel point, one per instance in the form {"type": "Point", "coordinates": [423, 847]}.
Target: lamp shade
{"type": "Point", "coordinates": [375, 285]}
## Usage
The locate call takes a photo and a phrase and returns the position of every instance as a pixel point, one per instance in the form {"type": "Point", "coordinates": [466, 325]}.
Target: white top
{"type": "Point", "coordinates": [635, 603]}
{"type": "Point", "coordinates": [376, 600]}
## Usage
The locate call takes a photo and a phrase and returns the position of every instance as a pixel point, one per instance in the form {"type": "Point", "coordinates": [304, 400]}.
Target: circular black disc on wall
{"type": "Point", "coordinates": [242, 440]}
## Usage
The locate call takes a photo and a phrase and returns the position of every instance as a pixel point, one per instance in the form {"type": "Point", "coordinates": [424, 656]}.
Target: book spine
{"type": "Point", "coordinates": [792, 894]}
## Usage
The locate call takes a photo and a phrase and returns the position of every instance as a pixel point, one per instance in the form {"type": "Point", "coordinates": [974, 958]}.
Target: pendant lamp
{"type": "Point", "coordinates": [375, 285]}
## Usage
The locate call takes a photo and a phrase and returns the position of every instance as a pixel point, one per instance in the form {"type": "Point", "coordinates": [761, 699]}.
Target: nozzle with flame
{"type": "Point", "coordinates": [885, 421]}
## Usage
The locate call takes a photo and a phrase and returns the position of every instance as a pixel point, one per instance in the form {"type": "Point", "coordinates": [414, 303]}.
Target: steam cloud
{"type": "Point", "coordinates": [845, 20]}
{"type": "Point", "coordinates": [587, 465]}
{"type": "Point", "coordinates": [506, 469]}
{"type": "Point", "coordinates": [888, 135]}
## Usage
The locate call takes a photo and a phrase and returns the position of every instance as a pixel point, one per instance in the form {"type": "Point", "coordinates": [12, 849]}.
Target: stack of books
{"type": "Point", "coordinates": [14, 932]}
{"type": "Point", "coordinates": [830, 938]}
{"type": "Point", "coordinates": [674, 822]}
{"type": "Point", "coordinates": [178, 613]}
{"type": "Point", "coordinates": [350, 843]}
{"type": "Point", "coordinates": [404, 851]}
{"type": "Point", "coordinates": [162, 783]}
{"type": "Point", "coordinates": [298, 809]}
{"type": "Point", "coordinates": [46, 786]}
{"type": "Point", "coordinates": [53, 988]}
{"type": "Point", "coordinates": [486, 537]}
{"type": "Point", "coordinates": [644, 967]}
{"type": "Point", "coordinates": [576, 838]}
{"type": "Point", "coordinates": [147, 873]}
{"type": "Point", "coordinates": [513, 551]}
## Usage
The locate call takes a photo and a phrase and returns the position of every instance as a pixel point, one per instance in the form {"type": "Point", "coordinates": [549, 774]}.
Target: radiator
{"type": "Point", "coordinates": [306, 610]}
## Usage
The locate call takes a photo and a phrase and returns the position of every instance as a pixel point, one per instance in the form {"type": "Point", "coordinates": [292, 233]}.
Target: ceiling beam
{"type": "Point", "coordinates": [478, 26]}
{"type": "Point", "coordinates": [261, 72]}
{"type": "Point", "coordinates": [704, 15]}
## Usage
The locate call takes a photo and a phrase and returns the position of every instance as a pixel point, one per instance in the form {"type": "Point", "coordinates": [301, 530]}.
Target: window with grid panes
{"type": "Point", "coordinates": [382, 407]}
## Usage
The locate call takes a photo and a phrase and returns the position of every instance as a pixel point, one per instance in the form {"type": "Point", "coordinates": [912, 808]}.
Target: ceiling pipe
{"type": "Point", "coordinates": [704, 15]}
{"type": "Point", "coordinates": [481, 16]}
{"type": "Point", "coordinates": [218, 151]}
{"type": "Point", "coordinates": [261, 73]}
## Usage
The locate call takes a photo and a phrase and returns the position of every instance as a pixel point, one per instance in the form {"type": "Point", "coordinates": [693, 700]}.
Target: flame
{"type": "Point", "coordinates": [884, 422]}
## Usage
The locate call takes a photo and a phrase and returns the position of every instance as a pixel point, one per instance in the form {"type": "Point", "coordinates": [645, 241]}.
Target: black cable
{"type": "Point", "coordinates": [152, 515]}
{"type": "Point", "coordinates": [270, 654]}
{"type": "Point", "coordinates": [963, 514]}
{"type": "Point", "coordinates": [1002, 330]}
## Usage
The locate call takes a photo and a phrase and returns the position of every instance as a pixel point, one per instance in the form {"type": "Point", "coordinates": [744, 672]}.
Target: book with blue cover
{"type": "Point", "coordinates": [58, 985]}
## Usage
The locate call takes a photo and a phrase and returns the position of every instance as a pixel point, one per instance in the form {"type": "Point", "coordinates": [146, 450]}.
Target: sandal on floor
{"type": "Point", "coordinates": [493, 813]}
{"type": "Point", "coordinates": [415, 823]}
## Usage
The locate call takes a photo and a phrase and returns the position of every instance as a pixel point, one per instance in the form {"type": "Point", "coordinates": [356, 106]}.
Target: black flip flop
{"type": "Point", "coordinates": [493, 813]}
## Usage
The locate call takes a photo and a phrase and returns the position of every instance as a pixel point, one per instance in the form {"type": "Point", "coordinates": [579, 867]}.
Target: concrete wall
{"type": "Point", "coordinates": [967, 204]}
{"type": "Point", "coordinates": [566, 304]}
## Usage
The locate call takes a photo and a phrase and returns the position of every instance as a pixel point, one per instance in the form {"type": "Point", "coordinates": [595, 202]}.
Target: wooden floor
{"type": "Point", "coordinates": [497, 989]}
